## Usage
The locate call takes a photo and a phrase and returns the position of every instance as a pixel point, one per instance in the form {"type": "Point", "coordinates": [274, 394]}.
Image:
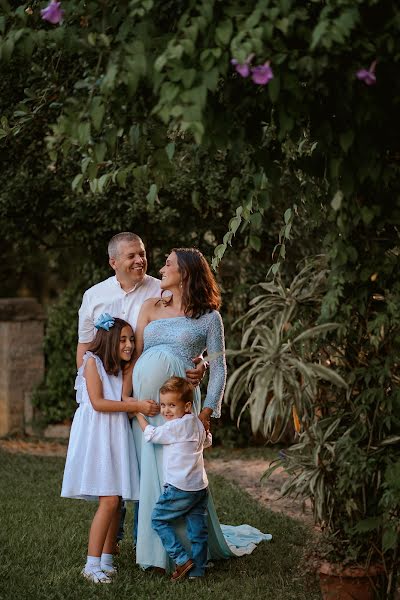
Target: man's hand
{"type": "Point", "coordinates": [194, 376]}
{"type": "Point", "coordinates": [204, 417]}
{"type": "Point", "coordinates": [150, 408]}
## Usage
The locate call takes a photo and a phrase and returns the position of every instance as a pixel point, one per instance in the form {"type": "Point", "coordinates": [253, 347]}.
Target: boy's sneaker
{"type": "Point", "coordinates": [97, 576]}
{"type": "Point", "coordinates": [181, 570]}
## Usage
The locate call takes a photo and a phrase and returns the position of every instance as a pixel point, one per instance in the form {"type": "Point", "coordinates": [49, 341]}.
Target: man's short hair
{"type": "Point", "coordinates": [124, 236]}
{"type": "Point", "coordinates": [179, 386]}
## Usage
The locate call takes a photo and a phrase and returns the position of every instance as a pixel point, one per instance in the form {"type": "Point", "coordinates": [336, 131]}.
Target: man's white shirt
{"type": "Point", "coordinates": [183, 440]}
{"type": "Point", "coordinates": [108, 296]}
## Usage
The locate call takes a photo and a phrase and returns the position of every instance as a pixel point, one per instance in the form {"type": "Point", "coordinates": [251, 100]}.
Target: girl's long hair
{"type": "Point", "coordinates": [106, 346]}
{"type": "Point", "coordinates": [200, 291]}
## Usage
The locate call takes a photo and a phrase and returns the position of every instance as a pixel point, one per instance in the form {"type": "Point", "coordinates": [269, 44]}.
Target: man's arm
{"type": "Point", "coordinates": [80, 351]}
{"type": "Point", "coordinates": [86, 329]}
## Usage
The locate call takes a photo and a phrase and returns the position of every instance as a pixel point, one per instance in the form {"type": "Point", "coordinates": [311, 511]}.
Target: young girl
{"type": "Point", "coordinates": [101, 460]}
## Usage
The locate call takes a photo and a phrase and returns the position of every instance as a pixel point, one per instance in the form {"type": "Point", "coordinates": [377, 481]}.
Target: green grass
{"type": "Point", "coordinates": [43, 546]}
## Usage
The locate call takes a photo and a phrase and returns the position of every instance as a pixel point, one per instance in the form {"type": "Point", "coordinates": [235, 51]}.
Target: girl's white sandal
{"type": "Point", "coordinates": [96, 576]}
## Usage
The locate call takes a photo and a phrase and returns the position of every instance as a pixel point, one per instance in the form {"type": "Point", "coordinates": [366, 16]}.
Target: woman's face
{"type": "Point", "coordinates": [170, 275]}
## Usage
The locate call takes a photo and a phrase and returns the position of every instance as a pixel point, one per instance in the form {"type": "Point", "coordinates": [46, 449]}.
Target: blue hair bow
{"type": "Point", "coordinates": [105, 321]}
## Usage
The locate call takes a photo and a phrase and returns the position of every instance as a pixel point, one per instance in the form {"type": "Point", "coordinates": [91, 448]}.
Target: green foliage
{"type": "Point", "coordinates": [55, 398]}
{"type": "Point", "coordinates": [282, 351]}
{"type": "Point", "coordinates": [348, 451]}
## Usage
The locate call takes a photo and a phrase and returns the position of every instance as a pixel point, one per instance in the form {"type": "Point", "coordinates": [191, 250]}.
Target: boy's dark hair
{"type": "Point", "coordinates": [106, 346]}
{"type": "Point", "coordinates": [179, 385]}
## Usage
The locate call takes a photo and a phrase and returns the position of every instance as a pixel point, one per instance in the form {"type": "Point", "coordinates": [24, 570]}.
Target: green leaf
{"type": "Point", "coordinates": [274, 87]}
{"type": "Point", "coordinates": [346, 140]}
{"type": "Point", "coordinates": [102, 182]}
{"type": "Point", "coordinates": [152, 195]}
{"type": "Point", "coordinates": [84, 133]}
{"type": "Point", "coordinates": [234, 224]}
{"type": "Point", "coordinates": [220, 251]}
{"type": "Point", "coordinates": [313, 332]}
{"type": "Point", "coordinates": [370, 524]}
{"type": "Point", "coordinates": [255, 242]}
{"type": "Point", "coordinates": [329, 375]}
{"type": "Point", "coordinates": [275, 268]}
{"type": "Point", "coordinates": [317, 34]}
{"type": "Point", "coordinates": [160, 62]}
{"type": "Point", "coordinates": [108, 83]}
{"type": "Point", "coordinates": [85, 163]}
{"type": "Point", "coordinates": [337, 200]}
{"type": "Point", "coordinates": [223, 32]}
{"type": "Point", "coordinates": [170, 150]}
{"type": "Point", "coordinates": [77, 182]}
{"type": "Point", "coordinates": [390, 539]}
{"type": "Point", "coordinates": [121, 177]}
{"type": "Point", "coordinates": [100, 150]}
{"type": "Point", "coordinates": [97, 112]}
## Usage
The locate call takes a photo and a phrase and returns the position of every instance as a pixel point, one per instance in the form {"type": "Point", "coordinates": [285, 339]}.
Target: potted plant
{"type": "Point", "coordinates": [331, 380]}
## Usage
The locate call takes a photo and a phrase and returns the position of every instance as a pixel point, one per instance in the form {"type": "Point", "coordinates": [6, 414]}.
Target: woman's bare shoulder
{"type": "Point", "coordinates": [151, 306]}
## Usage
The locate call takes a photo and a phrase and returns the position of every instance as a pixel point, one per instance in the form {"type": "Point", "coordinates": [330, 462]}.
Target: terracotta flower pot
{"type": "Point", "coordinates": [347, 583]}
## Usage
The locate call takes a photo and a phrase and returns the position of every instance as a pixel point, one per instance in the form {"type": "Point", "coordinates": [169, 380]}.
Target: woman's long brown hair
{"type": "Point", "coordinates": [106, 346]}
{"type": "Point", "coordinates": [200, 291]}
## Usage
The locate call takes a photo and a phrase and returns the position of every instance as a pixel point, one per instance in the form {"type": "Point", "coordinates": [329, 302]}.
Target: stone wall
{"type": "Point", "coordinates": [21, 359]}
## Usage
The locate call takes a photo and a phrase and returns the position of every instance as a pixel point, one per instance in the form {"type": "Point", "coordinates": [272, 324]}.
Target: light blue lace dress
{"type": "Point", "coordinates": [169, 347]}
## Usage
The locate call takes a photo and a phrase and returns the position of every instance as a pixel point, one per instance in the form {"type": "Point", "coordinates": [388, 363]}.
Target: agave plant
{"type": "Point", "coordinates": [347, 402]}
{"type": "Point", "coordinates": [283, 358]}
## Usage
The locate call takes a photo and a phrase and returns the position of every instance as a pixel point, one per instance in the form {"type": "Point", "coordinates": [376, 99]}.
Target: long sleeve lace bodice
{"type": "Point", "coordinates": [187, 338]}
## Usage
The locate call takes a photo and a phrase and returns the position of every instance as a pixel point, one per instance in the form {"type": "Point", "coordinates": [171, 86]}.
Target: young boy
{"type": "Point", "coordinates": [185, 480]}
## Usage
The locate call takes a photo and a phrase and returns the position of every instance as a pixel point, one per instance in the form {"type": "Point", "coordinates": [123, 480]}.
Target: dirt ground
{"type": "Point", "coordinates": [245, 473]}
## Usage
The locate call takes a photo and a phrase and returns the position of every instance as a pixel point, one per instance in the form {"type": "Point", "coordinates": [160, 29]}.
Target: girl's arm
{"type": "Point", "coordinates": [147, 407]}
{"type": "Point", "coordinates": [95, 391]}
{"type": "Point", "coordinates": [142, 321]}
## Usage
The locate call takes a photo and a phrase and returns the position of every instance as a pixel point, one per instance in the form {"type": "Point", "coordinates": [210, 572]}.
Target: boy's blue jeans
{"type": "Point", "coordinates": [192, 506]}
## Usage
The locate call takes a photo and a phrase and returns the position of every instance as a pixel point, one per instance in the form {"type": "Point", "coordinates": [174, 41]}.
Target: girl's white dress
{"type": "Point", "coordinates": [101, 458]}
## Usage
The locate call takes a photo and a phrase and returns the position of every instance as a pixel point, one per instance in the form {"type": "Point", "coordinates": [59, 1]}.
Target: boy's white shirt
{"type": "Point", "coordinates": [184, 440]}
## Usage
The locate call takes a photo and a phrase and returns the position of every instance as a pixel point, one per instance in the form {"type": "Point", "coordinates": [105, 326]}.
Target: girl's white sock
{"type": "Point", "coordinates": [92, 561]}
{"type": "Point", "coordinates": [93, 570]}
{"type": "Point", "coordinates": [107, 564]}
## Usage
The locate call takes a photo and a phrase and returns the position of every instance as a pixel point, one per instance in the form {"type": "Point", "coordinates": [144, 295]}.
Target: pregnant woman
{"type": "Point", "coordinates": [170, 333]}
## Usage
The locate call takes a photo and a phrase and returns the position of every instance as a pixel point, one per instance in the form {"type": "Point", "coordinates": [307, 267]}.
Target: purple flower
{"type": "Point", "coordinates": [243, 69]}
{"type": "Point", "coordinates": [53, 13]}
{"type": "Point", "coordinates": [262, 74]}
{"type": "Point", "coordinates": [367, 75]}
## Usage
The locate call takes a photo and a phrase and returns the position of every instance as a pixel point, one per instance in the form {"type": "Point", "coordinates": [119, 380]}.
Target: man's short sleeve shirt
{"type": "Point", "coordinates": [108, 296]}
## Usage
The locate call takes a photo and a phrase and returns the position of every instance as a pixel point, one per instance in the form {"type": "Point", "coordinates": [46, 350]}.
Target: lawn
{"type": "Point", "coordinates": [43, 546]}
